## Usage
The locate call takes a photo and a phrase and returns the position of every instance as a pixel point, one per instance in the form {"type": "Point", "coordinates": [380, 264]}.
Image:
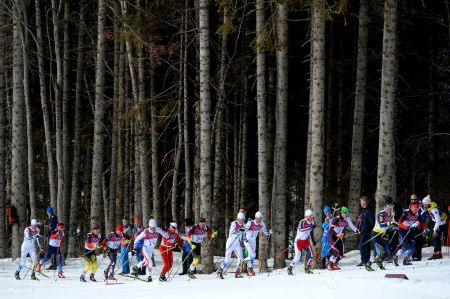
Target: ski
{"type": "Point", "coordinates": [134, 277]}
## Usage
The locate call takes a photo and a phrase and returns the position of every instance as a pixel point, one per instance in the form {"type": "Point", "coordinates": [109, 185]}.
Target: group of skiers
{"type": "Point", "coordinates": [392, 233]}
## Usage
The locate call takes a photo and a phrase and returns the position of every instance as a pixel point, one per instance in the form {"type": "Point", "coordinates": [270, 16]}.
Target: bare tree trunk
{"type": "Point", "coordinates": [19, 129]}
{"type": "Point", "coordinates": [100, 107]}
{"type": "Point", "coordinates": [121, 143]}
{"type": "Point", "coordinates": [386, 146]}
{"type": "Point", "coordinates": [137, 171]}
{"type": "Point", "coordinates": [66, 124]}
{"type": "Point", "coordinates": [431, 120]}
{"type": "Point", "coordinates": [75, 197]}
{"type": "Point", "coordinates": [26, 90]}
{"type": "Point", "coordinates": [317, 108]}
{"type": "Point", "coordinates": [58, 114]}
{"type": "Point", "coordinates": [359, 110]}
{"type": "Point", "coordinates": [205, 127]}
{"type": "Point", "coordinates": [186, 123]}
{"type": "Point", "coordinates": [279, 199]}
{"type": "Point", "coordinates": [45, 110]}
{"type": "Point", "coordinates": [158, 208]}
{"type": "Point", "coordinates": [3, 123]}
{"type": "Point", "coordinates": [243, 175]}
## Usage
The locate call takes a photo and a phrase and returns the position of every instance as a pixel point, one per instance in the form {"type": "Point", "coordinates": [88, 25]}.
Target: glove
{"type": "Point", "coordinates": [214, 234]}
{"type": "Point", "coordinates": [340, 236]}
{"type": "Point", "coordinates": [193, 246]}
{"type": "Point", "coordinates": [127, 242]}
{"type": "Point", "coordinates": [290, 245]}
{"type": "Point", "coordinates": [415, 224]}
{"type": "Point", "coordinates": [133, 252]}
{"type": "Point", "coordinates": [357, 231]}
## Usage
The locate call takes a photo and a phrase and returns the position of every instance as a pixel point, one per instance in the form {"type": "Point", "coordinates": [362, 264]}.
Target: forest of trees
{"type": "Point", "coordinates": [172, 109]}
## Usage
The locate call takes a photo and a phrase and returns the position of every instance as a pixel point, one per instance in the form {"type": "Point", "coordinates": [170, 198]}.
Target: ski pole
{"type": "Point", "coordinates": [373, 238]}
{"type": "Point", "coordinates": [392, 238]}
{"type": "Point", "coordinates": [182, 262]}
{"type": "Point", "coordinates": [401, 242]}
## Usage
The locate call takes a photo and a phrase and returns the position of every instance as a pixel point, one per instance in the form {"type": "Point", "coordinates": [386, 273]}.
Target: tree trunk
{"type": "Point", "coordinates": [243, 173]}
{"type": "Point", "coordinates": [3, 123]}
{"type": "Point", "coordinates": [66, 123]}
{"type": "Point", "coordinates": [317, 108]}
{"type": "Point", "coordinates": [26, 90]}
{"type": "Point", "coordinates": [186, 124]}
{"type": "Point", "coordinates": [45, 111]}
{"type": "Point", "coordinates": [100, 107]}
{"type": "Point", "coordinates": [205, 128]}
{"type": "Point", "coordinates": [58, 115]}
{"type": "Point", "coordinates": [137, 171]}
{"type": "Point", "coordinates": [279, 199]}
{"type": "Point", "coordinates": [359, 110]}
{"type": "Point", "coordinates": [121, 144]}
{"type": "Point", "coordinates": [75, 193]}
{"type": "Point", "coordinates": [19, 129]}
{"type": "Point", "coordinates": [386, 146]}
{"type": "Point", "coordinates": [158, 208]}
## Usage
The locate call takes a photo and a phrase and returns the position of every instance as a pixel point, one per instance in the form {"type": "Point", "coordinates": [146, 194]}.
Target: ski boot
{"type": "Point", "coordinates": [289, 270]}
{"type": "Point", "coordinates": [17, 275]}
{"type": "Point", "coordinates": [330, 267]}
{"type": "Point", "coordinates": [92, 278]}
{"type": "Point", "coordinates": [438, 256]}
{"type": "Point", "coordinates": [82, 278]}
{"type": "Point", "coordinates": [368, 267]}
{"type": "Point", "coordinates": [250, 272]}
{"type": "Point", "coordinates": [361, 264]}
{"type": "Point", "coordinates": [106, 274]}
{"type": "Point", "coordinates": [33, 276]}
{"type": "Point", "coordinates": [163, 278]}
{"type": "Point", "coordinates": [395, 260]}
{"type": "Point", "coordinates": [380, 265]}
{"type": "Point", "coordinates": [336, 267]}
{"type": "Point", "coordinates": [51, 267]}
{"type": "Point", "coordinates": [406, 262]}
{"type": "Point", "coordinates": [308, 270]}
{"type": "Point", "coordinates": [39, 267]}
{"type": "Point", "coordinates": [149, 279]}
{"type": "Point", "coordinates": [61, 274]}
{"type": "Point", "coordinates": [238, 274]}
{"type": "Point", "coordinates": [191, 274]}
{"type": "Point", "coordinates": [111, 277]}
{"type": "Point", "coordinates": [135, 271]}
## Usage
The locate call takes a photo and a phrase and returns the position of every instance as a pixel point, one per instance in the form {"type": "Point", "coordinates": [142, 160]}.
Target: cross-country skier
{"type": "Point", "coordinates": [165, 248]}
{"type": "Point", "coordinates": [126, 245]}
{"type": "Point", "coordinates": [195, 238]}
{"type": "Point", "coordinates": [304, 232]}
{"type": "Point", "coordinates": [336, 234]}
{"type": "Point", "coordinates": [384, 224]}
{"type": "Point", "coordinates": [54, 249]}
{"type": "Point", "coordinates": [30, 235]}
{"type": "Point", "coordinates": [409, 223]}
{"type": "Point", "coordinates": [253, 227]}
{"type": "Point", "coordinates": [326, 245]}
{"type": "Point", "coordinates": [236, 237]}
{"type": "Point", "coordinates": [112, 241]}
{"type": "Point", "coordinates": [137, 230]}
{"type": "Point", "coordinates": [187, 256]}
{"type": "Point", "coordinates": [93, 241]}
{"type": "Point", "coordinates": [149, 237]}
{"type": "Point", "coordinates": [439, 226]}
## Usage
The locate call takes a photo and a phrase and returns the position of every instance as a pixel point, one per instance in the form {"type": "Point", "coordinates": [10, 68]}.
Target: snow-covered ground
{"type": "Point", "coordinates": [427, 279]}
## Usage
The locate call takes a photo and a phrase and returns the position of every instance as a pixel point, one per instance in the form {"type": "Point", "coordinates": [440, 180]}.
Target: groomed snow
{"type": "Point", "coordinates": [427, 280]}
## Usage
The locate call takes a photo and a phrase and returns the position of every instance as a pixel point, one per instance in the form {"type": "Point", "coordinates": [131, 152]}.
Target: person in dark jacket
{"type": "Point", "coordinates": [365, 224]}
{"type": "Point", "coordinates": [51, 228]}
{"type": "Point", "coordinates": [187, 256]}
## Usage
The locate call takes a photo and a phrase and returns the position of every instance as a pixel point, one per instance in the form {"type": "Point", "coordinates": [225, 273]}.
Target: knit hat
{"type": "Point", "coordinates": [326, 209]}
{"type": "Point", "coordinates": [152, 223]}
{"type": "Point", "coordinates": [119, 228]}
{"type": "Point", "coordinates": [258, 215]}
{"type": "Point", "coordinates": [414, 206]}
{"type": "Point", "coordinates": [426, 200]}
{"type": "Point", "coordinates": [60, 226]}
{"type": "Point", "coordinates": [308, 213]}
{"type": "Point", "coordinates": [34, 222]}
{"type": "Point", "coordinates": [345, 210]}
{"type": "Point", "coordinates": [241, 216]}
{"type": "Point", "coordinates": [137, 218]}
{"type": "Point", "coordinates": [173, 224]}
{"type": "Point", "coordinates": [50, 210]}
{"type": "Point", "coordinates": [95, 226]}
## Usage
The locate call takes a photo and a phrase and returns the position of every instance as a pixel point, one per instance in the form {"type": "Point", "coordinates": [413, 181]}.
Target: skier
{"type": "Point", "coordinates": [187, 256]}
{"type": "Point", "coordinates": [385, 223]}
{"type": "Point", "coordinates": [235, 239]}
{"type": "Point", "coordinates": [409, 223]}
{"type": "Point", "coordinates": [252, 230]}
{"type": "Point", "coordinates": [51, 228]}
{"type": "Point", "coordinates": [304, 232]}
{"type": "Point", "coordinates": [113, 240]}
{"type": "Point", "coordinates": [137, 230]}
{"type": "Point", "coordinates": [365, 225]}
{"type": "Point", "coordinates": [93, 241]}
{"type": "Point", "coordinates": [419, 240]}
{"type": "Point", "coordinates": [149, 237]}
{"type": "Point", "coordinates": [195, 238]}
{"type": "Point", "coordinates": [54, 249]}
{"type": "Point", "coordinates": [126, 245]}
{"type": "Point", "coordinates": [165, 248]}
{"type": "Point", "coordinates": [30, 235]}
{"type": "Point", "coordinates": [439, 226]}
{"type": "Point", "coordinates": [326, 245]}
{"type": "Point", "coordinates": [336, 235]}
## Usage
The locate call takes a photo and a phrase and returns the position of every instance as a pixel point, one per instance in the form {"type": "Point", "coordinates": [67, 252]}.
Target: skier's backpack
{"type": "Point", "coordinates": [11, 212]}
